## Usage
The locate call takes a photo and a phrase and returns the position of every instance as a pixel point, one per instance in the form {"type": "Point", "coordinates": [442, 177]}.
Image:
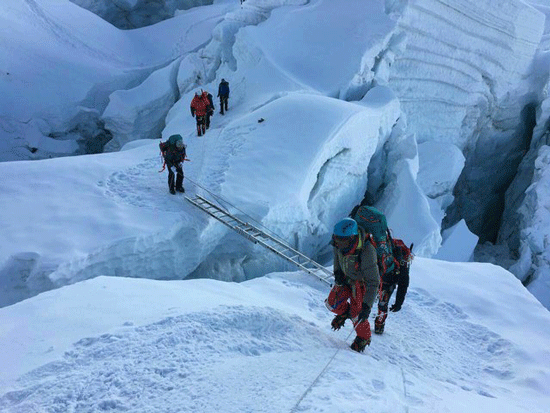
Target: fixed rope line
{"type": "Point", "coordinates": [275, 244]}
{"type": "Point", "coordinates": [304, 394]}
{"type": "Point", "coordinates": [214, 195]}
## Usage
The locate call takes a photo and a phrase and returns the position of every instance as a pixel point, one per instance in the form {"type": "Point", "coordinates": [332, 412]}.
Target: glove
{"type": "Point", "coordinates": [339, 277]}
{"type": "Point", "coordinates": [395, 308]}
{"type": "Point", "coordinates": [339, 321]}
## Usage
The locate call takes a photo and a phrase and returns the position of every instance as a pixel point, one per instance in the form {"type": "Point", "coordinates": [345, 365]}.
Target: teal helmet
{"type": "Point", "coordinates": [346, 228]}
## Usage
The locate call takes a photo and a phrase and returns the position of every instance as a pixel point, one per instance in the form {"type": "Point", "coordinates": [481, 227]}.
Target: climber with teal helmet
{"type": "Point", "coordinates": [356, 279]}
{"type": "Point", "coordinates": [173, 152]}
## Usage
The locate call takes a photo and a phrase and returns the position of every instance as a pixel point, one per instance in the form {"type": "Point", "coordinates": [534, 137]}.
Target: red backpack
{"type": "Point", "coordinates": [402, 254]}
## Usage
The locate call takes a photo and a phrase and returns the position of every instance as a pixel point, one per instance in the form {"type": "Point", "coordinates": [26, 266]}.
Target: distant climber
{"type": "Point", "coordinates": [199, 106]}
{"type": "Point", "coordinates": [173, 152]}
{"type": "Point", "coordinates": [356, 280]}
{"type": "Point", "coordinates": [209, 109]}
{"type": "Point", "coordinates": [223, 94]}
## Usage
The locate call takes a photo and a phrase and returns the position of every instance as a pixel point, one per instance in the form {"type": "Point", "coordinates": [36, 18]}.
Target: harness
{"type": "Point", "coordinates": [162, 154]}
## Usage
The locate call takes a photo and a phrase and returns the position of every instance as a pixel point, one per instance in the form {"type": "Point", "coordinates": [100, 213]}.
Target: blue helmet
{"type": "Point", "coordinates": [346, 228]}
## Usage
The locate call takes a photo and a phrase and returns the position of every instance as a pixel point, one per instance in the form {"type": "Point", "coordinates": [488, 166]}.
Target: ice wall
{"type": "Point", "coordinates": [533, 265]}
{"type": "Point", "coordinates": [461, 80]}
{"type": "Point", "coordinates": [526, 218]}
{"type": "Point", "coordinates": [463, 64]}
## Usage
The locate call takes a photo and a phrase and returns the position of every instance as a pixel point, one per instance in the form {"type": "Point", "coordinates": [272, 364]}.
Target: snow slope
{"type": "Point", "coordinates": [265, 345]}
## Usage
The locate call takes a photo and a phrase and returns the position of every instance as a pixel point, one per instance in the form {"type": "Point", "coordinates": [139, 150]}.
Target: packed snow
{"type": "Point", "coordinates": [265, 345]}
{"type": "Point", "coordinates": [116, 295]}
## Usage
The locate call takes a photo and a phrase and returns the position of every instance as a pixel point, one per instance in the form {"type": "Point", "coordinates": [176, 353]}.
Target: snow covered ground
{"type": "Point", "coordinates": [117, 296]}
{"type": "Point", "coordinates": [427, 101]}
{"type": "Point", "coordinates": [265, 345]}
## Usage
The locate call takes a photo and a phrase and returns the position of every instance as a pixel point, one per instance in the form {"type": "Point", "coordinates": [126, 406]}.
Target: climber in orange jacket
{"type": "Point", "coordinates": [199, 106]}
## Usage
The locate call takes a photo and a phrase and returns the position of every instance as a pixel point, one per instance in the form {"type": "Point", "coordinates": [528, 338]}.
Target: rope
{"type": "Point", "coordinates": [221, 201]}
{"type": "Point", "coordinates": [293, 410]}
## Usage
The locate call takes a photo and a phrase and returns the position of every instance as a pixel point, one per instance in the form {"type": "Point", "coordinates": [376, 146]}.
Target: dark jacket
{"type": "Point", "coordinates": [223, 89]}
{"type": "Point", "coordinates": [210, 107]}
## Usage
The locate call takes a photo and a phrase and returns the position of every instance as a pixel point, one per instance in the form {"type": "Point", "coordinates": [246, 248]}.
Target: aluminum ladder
{"type": "Point", "coordinates": [257, 236]}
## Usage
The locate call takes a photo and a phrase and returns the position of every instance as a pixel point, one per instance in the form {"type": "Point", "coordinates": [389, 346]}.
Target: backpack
{"type": "Point", "coordinates": [210, 107]}
{"type": "Point", "coordinates": [402, 254]}
{"type": "Point", "coordinates": [169, 150]}
{"type": "Point", "coordinates": [173, 139]}
{"type": "Point", "coordinates": [223, 89]}
{"type": "Point", "coordinates": [374, 222]}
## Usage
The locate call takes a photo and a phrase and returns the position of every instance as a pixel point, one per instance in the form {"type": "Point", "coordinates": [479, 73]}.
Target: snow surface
{"type": "Point", "coordinates": [265, 345]}
{"type": "Point", "coordinates": [101, 306]}
{"type": "Point", "coordinates": [423, 107]}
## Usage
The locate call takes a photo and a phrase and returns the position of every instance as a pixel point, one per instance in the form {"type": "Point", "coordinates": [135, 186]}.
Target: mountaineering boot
{"type": "Point", "coordinates": [179, 182]}
{"type": "Point", "coordinates": [378, 327]}
{"type": "Point", "coordinates": [172, 191]}
{"type": "Point", "coordinates": [379, 322]}
{"type": "Point", "coordinates": [359, 344]}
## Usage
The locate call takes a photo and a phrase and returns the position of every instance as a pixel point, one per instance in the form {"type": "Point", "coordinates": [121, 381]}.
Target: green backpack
{"type": "Point", "coordinates": [173, 139]}
{"type": "Point", "coordinates": [170, 152]}
{"type": "Point", "coordinates": [374, 222]}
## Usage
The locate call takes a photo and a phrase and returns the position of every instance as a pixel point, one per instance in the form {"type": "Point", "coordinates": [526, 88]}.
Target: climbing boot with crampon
{"type": "Point", "coordinates": [378, 328]}
{"type": "Point", "coordinates": [359, 344]}
{"type": "Point", "coordinates": [379, 323]}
